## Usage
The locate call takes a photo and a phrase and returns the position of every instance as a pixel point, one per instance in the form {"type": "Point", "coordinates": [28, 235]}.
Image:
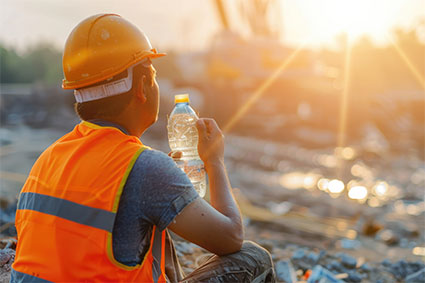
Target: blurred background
{"type": "Point", "coordinates": [322, 104]}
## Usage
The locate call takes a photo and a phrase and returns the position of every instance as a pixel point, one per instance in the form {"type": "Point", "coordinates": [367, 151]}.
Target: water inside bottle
{"type": "Point", "coordinates": [182, 134]}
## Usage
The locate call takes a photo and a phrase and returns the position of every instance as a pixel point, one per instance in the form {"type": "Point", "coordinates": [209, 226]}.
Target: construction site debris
{"type": "Point", "coordinates": [8, 243]}
{"type": "Point", "coordinates": [401, 269]}
{"type": "Point", "coordinates": [349, 244]}
{"type": "Point", "coordinates": [416, 277]}
{"type": "Point", "coordinates": [7, 257]}
{"type": "Point", "coordinates": [370, 228]}
{"type": "Point", "coordinates": [285, 271]}
{"type": "Point", "coordinates": [321, 274]}
{"type": "Point", "coordinates": [389, 237]}
{"type": "Point", "coordinates": [347, 260]}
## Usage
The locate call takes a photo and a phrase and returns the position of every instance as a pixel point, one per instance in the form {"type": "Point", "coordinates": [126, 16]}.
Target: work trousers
{"type": "Point", "coordinates": [251, 264]}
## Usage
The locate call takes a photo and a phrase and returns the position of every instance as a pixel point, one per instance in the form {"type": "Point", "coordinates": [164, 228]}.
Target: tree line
{"type": "Point", "coordinates": [40, 63]}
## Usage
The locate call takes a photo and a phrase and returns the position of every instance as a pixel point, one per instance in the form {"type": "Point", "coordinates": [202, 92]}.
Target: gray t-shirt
{"type": "Point", "coordinates": [156, 191]}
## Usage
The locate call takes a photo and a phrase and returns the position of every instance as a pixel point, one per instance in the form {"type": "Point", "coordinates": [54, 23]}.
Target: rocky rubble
{"type": "Point", "coordinates": [299, 264]}
{"type": "Point", "coordinates": [295, 263]}
{"type": "Point", "coordinates": [310, 233]}
{"type": "Point", "coordinates": [7, 256]}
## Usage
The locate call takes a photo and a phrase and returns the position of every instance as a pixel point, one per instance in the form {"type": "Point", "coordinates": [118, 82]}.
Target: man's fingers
{"type": "Point", "coordinates": [202, 129]}
{"type": "Point", "coordinates": [212, 127]}
{"type": "Point", "coordinates": [208, 128]}
{"type": "Point", "coordinates": [175, 154]}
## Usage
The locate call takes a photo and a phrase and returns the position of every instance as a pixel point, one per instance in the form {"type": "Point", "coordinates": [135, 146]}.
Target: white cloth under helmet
{"type": "Point", "coordinates": [108, 89]}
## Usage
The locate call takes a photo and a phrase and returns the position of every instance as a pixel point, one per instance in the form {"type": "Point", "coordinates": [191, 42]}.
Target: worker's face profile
{"type": "Point", "coordinates": [151, 90]}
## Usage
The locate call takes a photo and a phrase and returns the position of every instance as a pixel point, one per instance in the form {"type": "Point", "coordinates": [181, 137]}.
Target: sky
{"type": "Point", "coordinates": [189, 24]}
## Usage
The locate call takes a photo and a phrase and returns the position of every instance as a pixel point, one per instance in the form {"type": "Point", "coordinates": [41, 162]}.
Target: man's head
{"type": "Point", "coordinates": [107, 60]}
{"type": "Point", "coordinates": [143, 76]}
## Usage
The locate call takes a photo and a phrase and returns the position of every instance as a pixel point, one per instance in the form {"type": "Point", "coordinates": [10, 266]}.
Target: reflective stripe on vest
{"type": "Point", "coordinates": [20, 277]}
{"type": "Point", "coordinates": [94, 217]}
{"type": "Point", "coordinates": [67, 209]}
{"type": "Point", "coordinates": [83, 215]}
{"type": "Point", "coordinates": [156, 252]}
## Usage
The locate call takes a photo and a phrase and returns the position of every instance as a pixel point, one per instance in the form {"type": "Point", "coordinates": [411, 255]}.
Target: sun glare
{"type": "Point", "coordinates": [355, 18]}
{"type": "Point", "coordinates": [361, 16]}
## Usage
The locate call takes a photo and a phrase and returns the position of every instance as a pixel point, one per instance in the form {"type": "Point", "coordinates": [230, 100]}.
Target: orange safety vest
{"type": "Point", "coordinates": [67, 208]}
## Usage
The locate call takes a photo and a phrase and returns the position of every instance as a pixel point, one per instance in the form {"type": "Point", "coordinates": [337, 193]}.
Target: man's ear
{"type": "Point", "coordinates": [140, 89]}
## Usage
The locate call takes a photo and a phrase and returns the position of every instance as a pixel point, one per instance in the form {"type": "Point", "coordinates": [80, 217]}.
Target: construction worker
{"type": "Point", "coordinates": [98, 204]}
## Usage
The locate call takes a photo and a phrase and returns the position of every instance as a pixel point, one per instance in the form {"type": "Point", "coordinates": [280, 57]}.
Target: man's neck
{"type": "Point", "coordinates": [106, 123]}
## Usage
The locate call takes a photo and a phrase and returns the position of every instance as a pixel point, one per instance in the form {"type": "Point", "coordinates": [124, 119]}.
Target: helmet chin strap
{"type": "Point", "coordinates": [108, 89]}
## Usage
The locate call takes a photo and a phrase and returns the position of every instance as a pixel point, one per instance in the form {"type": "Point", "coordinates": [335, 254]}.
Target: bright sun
{"type": "Point", "coordinates": [361, 16]}
{"type": "Point", "coordinates": [355, 17]}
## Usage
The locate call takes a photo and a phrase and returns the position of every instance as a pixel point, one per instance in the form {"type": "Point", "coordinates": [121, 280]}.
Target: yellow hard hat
{"type": "Point", "coordinates": [101, 47]}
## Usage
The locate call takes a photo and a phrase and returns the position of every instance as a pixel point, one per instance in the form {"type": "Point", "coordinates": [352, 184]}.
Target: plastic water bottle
{"type": "Point", "coordinates": [183, 136]}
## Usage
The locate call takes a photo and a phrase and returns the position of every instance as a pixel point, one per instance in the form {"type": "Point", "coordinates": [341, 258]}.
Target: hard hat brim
{"type": "Point", "coordinates": [100, 77]}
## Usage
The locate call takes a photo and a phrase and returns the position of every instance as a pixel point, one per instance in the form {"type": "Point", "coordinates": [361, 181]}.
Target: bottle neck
{"type": "Point", "coordinates": [183, 108]}
{"type": "Point", "coordinates": [182, 103]}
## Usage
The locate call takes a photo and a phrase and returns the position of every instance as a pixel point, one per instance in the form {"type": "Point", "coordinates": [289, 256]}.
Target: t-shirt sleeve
{"type": "Point", "coordinates": [165, 190]}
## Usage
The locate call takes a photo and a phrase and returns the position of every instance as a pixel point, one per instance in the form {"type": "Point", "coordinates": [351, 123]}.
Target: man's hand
{"type": "Point", "coordinates": [211, 142]}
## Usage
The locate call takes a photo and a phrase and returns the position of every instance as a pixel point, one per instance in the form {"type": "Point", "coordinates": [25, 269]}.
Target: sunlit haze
{"type": "Point", "coordinates": [189, 25]}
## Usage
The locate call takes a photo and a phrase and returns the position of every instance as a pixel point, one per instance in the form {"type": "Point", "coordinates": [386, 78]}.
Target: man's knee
{"type": "Point", "coordinates": [252, 263]}
{"type": "Point", "coordinates": [254, 247]}
{"type": "Point", "coordinates": [258, 252]}
{"type": "Point", "coordinates": [264, 270]}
